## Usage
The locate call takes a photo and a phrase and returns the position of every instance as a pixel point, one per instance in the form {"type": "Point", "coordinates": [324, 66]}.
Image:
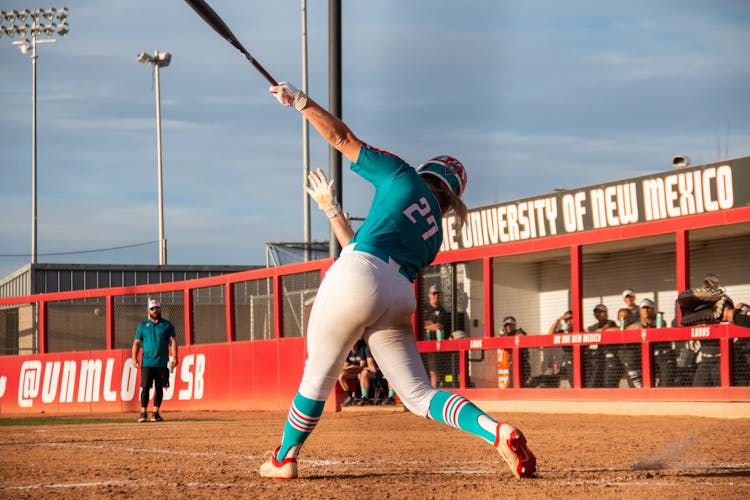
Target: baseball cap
{"type": "Point", "coordinates": [153, 303]}
{"type": "Point", "coordinates": [600, 307]}
{"type": "Point", "coordinates": [459, 334]}
{"type": "Point", "coordinates": [711, 281]}
{"type": "Point", "coordinates": [648, 303]}
{"type": "Point", "coordinates": [628, 292]}
{"type": "Point", "coordinates": [434, 289]}
{"type": "Point", "coordinates": [509, 320]}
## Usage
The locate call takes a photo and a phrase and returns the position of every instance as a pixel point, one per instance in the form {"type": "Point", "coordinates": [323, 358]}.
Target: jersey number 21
{"type": "Point", "coordinates": [423, 209]}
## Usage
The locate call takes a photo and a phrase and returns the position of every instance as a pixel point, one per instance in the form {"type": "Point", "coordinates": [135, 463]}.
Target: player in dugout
{"type": "Point", "coordinates": [368, 292]}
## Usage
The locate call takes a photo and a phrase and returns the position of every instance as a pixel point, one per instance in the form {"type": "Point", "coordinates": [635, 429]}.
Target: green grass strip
{"type": "Point", "coordinates": [31, 421]}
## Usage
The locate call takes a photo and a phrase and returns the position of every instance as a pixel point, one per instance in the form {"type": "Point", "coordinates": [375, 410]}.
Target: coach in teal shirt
{"type": "Point", "coordinates": [157, 335]}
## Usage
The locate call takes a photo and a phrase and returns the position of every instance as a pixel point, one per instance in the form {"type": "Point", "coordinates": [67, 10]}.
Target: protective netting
{"type": "Point", "coordinates": [297, 295]}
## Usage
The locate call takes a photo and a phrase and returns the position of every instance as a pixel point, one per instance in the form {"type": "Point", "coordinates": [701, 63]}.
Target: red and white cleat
{"type": "Point", "coordinates": [511, 444]}
{"type": "Point", "coordinates": [285, 469]}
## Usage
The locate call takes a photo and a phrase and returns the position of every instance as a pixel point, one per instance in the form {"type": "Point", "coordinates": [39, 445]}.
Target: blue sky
{"type": "Point", "coordinates": [530, 95]}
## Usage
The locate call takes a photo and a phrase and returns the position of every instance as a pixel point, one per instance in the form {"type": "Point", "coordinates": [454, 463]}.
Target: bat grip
{"type": "Point", "coordinates": [262, 70]}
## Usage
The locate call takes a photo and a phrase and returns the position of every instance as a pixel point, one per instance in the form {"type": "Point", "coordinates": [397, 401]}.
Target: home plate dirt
{"type": "Point", "coordinates": [380, 454]}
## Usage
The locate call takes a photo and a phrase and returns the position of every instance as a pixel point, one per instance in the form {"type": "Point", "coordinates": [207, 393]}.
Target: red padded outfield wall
{"type": "Point", "coordinates": [263, 375]}
{"type": "Point", "coordinates": [241, 376]}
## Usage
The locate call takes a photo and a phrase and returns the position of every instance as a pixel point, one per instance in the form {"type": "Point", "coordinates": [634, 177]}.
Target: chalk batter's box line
{"type": "Point", "coordinates": [376, 464]}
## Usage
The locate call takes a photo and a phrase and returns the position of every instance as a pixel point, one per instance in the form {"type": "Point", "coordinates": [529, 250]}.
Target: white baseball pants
{"type": "Point", "coordinates": [362, 296]}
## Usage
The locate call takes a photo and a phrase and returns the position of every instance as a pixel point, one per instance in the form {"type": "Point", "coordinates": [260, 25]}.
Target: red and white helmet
{"type": "Point", "coordinates": [447, 169]}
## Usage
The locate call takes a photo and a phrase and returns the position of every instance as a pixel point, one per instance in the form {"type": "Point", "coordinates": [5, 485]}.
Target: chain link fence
{"type": "Point", "coordinates": [298, 292]}
{"type": "Point", "coordinates": [253, 309]}
{"type": "Point", "coordinates": [18, 329]}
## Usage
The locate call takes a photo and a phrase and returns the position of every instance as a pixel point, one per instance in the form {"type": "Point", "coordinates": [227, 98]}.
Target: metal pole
{"type": "Point", "coordinates": [33, 151]}
{"type": "Point", "coordinates": [334, 96]}
{"type": "Point", "coordinates": [162, 241]}
{"type": "Point", "coordinates": [305, 139]}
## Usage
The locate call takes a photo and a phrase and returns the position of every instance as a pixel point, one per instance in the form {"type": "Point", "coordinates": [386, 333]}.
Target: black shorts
{"type": "Point", "coordinates": [151, 375]}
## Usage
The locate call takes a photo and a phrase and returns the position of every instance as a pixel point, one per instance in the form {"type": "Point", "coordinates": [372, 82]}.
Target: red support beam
{"type": "Point", "coordinates": [109, 314]}
{"type": "Point", "coordinates": [489, 297]}
{"type": "Point", "coordinates": [576, 286]}
{"type": "Point", "coordinates": [188, 316]}
{"type": "Point", "coordinates": [463, 369]}
{"type": "Point", "coordinates": [725, 366]}
{"type": "Point", "coordinates": [682, 259]}
{"type": "Point", "coordinates": [646, 364]}
{"type": "Point", "coordinates": [277, 307]}
{"type": "Point", "coordinates": [577, 366]}
{"type": "Point", "coordinates": [42, 327]}
{"type": "Point", "coordinates": [229, 311]}
{"type": "Point", "coordinates": [516, 365]}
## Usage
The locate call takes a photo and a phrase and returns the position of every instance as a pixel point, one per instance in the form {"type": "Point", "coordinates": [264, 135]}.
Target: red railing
{"type": "Point", "coordinates": [226, 280]}
{"type": "Point", "coordinates": [646, 338]}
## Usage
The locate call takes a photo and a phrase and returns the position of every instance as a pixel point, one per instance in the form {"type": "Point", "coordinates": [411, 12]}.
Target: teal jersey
{"type": "Point", "coordinates": [405, 221]}
{"type": "Point", "coordinates": [154, 338]}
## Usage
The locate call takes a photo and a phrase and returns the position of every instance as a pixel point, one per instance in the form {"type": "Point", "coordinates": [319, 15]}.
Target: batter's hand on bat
{"type": "Point", "coordinates": [288, 95]}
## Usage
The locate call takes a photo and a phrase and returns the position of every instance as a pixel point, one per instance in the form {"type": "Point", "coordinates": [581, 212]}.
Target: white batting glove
{"type": "Point", "coordinates": [287, 95]}
{"type": "Point", "coordinates": [323, 192]}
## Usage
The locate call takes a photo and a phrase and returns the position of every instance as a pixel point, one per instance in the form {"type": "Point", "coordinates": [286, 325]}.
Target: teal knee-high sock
{"type": "Point", "coordinates": [303, 417]}
{"type": "Point", "coordinates": [459, 412]}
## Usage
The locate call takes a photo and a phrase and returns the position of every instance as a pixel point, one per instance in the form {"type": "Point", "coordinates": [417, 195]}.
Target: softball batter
{"type": "Point", "coordinates": [368, 292]}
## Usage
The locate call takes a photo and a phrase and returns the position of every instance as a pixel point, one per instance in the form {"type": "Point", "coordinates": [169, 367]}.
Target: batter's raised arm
{"type": "Point", "coordinates": [332, 129]}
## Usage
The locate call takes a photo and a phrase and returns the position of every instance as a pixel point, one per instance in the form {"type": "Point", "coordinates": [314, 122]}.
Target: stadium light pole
{"type": "Point", "coordinates": [158, 60]}
{"type": "Point", "coordinates": [305, 141]}
{"type": "Point", "coordinates": [24, 24]}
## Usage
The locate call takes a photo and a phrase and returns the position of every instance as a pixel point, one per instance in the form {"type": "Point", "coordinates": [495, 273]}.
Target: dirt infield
{"type": "Point", "coordinates": [376, 454]}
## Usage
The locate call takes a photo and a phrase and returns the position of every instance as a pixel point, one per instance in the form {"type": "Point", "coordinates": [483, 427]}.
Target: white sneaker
{"type": "Point", "coordinates": [511, 444]}
{"type": "Point", "coordinates": [286, 469]}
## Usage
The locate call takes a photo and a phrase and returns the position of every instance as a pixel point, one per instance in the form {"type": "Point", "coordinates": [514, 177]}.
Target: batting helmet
{"type": "Point", "coordinates": [447, 169]}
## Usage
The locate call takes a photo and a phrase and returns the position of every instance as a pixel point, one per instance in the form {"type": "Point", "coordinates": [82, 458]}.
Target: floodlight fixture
{"type": "Point", "coordinates": [163, 59]}
{"type": "Point", "coordinates": [144, 58]}
{"type": "Point", "coordinates": [25, 46]}
{"type": "Point", "coordinates": [36, 29]}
